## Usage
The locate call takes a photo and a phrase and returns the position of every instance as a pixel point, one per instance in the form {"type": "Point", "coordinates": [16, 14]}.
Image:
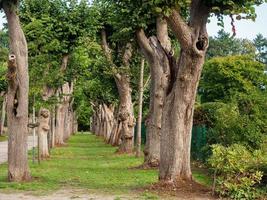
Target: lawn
{"type": "Point", "coordinates": [3, 138]}
{"type": "Point", "coordinates": [86, 162]}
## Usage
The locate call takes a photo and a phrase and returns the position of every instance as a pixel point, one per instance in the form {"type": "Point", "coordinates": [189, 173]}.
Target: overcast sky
{"type": "Point", "coordinates": [244, 28]}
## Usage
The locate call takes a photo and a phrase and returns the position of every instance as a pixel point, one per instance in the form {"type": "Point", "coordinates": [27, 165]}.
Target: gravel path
{"type": "Point", "coordinates": [3, 149]}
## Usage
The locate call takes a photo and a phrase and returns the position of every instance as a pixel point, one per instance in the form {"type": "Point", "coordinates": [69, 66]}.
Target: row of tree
{"type": "Point", "coordinates": [82, 56]}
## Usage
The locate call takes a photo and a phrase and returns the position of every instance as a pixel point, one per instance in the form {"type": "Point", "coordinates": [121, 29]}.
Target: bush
{"type": "Point", "coordinates": [236, 170]}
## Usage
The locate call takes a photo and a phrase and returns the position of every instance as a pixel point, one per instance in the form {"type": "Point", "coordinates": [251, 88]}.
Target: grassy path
{"type": "Point", "coordinates": [86, 163]}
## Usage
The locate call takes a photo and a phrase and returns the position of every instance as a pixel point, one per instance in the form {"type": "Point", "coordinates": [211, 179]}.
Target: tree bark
{"type": "Point", "coordinates": [157, 51]}
{"type": "Point", "coordinates": [43, 129]}
{"type": "Point", "coordinates": [17, 98]}
{"type": "Point", "coordinates": [59, 132]}
{"type": "Point", "coordinates": [140, 109]}
{"type": "Point", "coordinates": [53, 127]}
{"type": "Point", "coordinates": [3, 116]}
{"type": "Point", "coordinates": [125, 114]}
{"type": "Point", "coordinates": [178, 107]}
{"type": "Point", "coordinates": [62, 107]}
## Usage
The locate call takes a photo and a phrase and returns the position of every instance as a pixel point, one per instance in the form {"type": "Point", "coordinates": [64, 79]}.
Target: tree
{"type": "Point", "coordinates": [261, 44]}
{"type": "Point", "coordinates": [17, 96]}
{"type": "Point", "coordinates": [226, 45]}
{"type": "Point", "coordinates": [179, 103]}
{"type": "Point", "coordinates": [152, 36]}
{"type": "Point", "coordinates": [187, 21]}
{"type": "Point", "coordinates": [53, 32]}
{"type": "Point", "coordinates": [119, 51]}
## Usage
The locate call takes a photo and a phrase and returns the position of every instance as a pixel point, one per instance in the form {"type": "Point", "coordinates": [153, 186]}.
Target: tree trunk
{"type": "Point", "coordinates": [157, 51]}
{"type": "Point", "coordinates": [3, 116]}
{"type": "Point", "coordinates": [115, 133]}
{"type": "Point", "coordinates": [67, 90]}
{"type": "Point", "coordinates": [178, 119]}
{"type": "Point", "coordinates": [59, 132]}
{"type": "Point", "coordinates": [125, 115]}
{"type": "Point", "coordinates": [109, 121]}
{"type": "Point", "coordinates": [53, 127]}
{"type": "Point", "coordinates": [75, 123]}
{"type": "Point", "coordinates": [17, 98]}
{"type": "Point", "coordinates": [140, 108]}
{"type": "Point", "coordinates": [61, 106]}
{"type": "Point", "coordinates": [43, 129]}
{"type": "Point", "coordinates": [178, 107]}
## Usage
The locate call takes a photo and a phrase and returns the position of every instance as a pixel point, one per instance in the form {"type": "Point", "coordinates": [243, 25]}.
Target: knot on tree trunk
{"type": "Point", "coordinates": [202, 43]}
{"type": "Point", "coordinates": [123, 116]}
{"type": "Point", "coordinates": [12, 70]}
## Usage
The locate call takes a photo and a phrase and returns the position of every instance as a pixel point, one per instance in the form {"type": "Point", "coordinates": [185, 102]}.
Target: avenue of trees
{"type": "Point", "coordinates": [98, 65]}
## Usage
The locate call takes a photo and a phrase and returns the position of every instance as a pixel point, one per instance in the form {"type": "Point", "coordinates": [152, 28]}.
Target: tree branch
{"type": "Point", "coordinates": [162, 34]}
{"type": "Point", "coordinates": [144, 43]}
{"type": "Point", "coordinates": [105, 46]}
{"type": "Point", "coordinates": [181, 30]}
{"type": "Point", "coordinates": [127, 54]}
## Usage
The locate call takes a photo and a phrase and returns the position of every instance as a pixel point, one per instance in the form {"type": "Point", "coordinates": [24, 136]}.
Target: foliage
{"type": "Point", "coordinates": [93, 83]}
{"type": "Point", "coordinates": [53, 29]}
{"type": "Point", "coordinates": [237, 171]}
{"type": "Point", "coordinates": [261, 45]}
{"type": "Point", "coordinates": [225, 45]}
{"type": "Point", "coordinates": [224, 76]}
{"type": "Point", "coordinates": [241, 120]}
{"type": "Point", "coordinates": [3, 59]}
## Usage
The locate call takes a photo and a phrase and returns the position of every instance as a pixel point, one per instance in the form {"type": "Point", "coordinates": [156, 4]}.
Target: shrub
{"type": "Point", "coordinates": [236, 171]}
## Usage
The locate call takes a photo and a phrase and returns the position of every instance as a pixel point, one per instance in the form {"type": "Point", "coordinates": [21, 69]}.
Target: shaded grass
{"type": "Point", "coordinates": [3, 138]}
{"type": "Point", "coordinates": [90, 164]}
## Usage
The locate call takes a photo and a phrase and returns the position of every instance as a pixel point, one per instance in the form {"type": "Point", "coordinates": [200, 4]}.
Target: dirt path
{"type": "Point", "coordinates": [3, 149]}
{"type": "Point", "coordinates": [63, 194]}
{"type": "Point", "coordinates": [80, 194]}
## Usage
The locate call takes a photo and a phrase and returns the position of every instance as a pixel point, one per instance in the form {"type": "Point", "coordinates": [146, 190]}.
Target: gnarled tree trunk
{"type": "Point", "coordinates": [179, 103]}
{"type": "Point", "coordinates": [157, 51]}
{"type": "Point", "coordinates": [17, 98]}
{"type": "Point", "coordinates": [43, 129]}
{"type": "Point", "coordinates": [59, 131]}
{"type": "Point", "coordinates": [125, 114]}
{"type": "Point", "coordinates": [61, 106]}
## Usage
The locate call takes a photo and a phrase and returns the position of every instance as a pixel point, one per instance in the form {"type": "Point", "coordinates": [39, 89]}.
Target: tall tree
{"type": "Point", "coordinates": [261, 44]}
{"type": "Point", "coordinates": [226, 45]}
{"type": "Point", "coordinates": [53, 32]}
{"type": "Point", "coordinates": [17, 96]}
{"type": "Point", "coordinates": [187, 20]}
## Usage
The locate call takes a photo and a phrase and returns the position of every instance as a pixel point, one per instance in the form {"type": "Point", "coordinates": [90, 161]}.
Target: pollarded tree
{"type": "Point", "coordinates": [151, 33]}
{"type": "Point", "coordinates": [54, 29]}
{"type": "Point", "coordinates": [119, 51]}
{"type": "Point", "coordinates": [187, 20]}
{"type": "Point", "coordinates": [191, 32]}
{"type": "Point", "coordinates": [17, 96]}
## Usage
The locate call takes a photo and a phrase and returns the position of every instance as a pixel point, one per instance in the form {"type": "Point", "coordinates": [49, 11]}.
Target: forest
{"type": "Point", "coordinates": [124, 99]}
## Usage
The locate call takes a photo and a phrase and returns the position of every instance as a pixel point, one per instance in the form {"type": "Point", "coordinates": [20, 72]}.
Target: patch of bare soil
{"type": "Point", "coordinates": [183, 190]}
{"type": "Point", "coordinates": [63, 194]}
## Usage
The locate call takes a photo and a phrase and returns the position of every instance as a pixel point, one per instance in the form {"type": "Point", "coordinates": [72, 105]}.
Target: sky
{"type": "Point", "coordinates": [244, 28]}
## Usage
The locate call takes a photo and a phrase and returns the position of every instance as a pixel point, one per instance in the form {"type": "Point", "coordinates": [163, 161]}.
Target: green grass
{"type": "Point", "coordinates": [87, 163]}
{"type": "Point", "coordinates": [3, 138]}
